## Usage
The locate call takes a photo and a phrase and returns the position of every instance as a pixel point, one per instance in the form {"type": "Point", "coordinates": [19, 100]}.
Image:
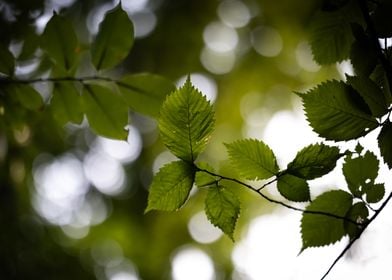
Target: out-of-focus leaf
{"type": "Point", "coordinates": [27, 96]}
{"type": "Point", "coordinates": [114, 39]}
{"type": "Point", "coordinates": [7, 61]}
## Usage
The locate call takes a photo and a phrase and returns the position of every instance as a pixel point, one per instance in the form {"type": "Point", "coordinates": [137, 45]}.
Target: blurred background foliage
{"type": "Point", "coordinates": [72, 204]}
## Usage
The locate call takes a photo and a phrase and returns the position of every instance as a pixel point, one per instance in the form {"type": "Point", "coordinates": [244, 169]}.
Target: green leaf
{"type": "Point", "coordinates": [336, 112]}
{"type": "Point", "coordinates": [203, 179]}
{"type": "Point", "coordinates": [145, 93]}
{"type": "Point", "coordinates": [375, 193]}
{"type": "Point", "coordinates": [384, 143]}
{"type": "Point", "coordinates": [186, 122]}
{"type": "Point", "coordinates": [171, 186]}
{"type": "Point", "coordinates": [330, 33]}
{"type": "Point", "coordinates": [31, 42]}
{"type": "Point", "coordinates": [222, 209]}
{"type": "Point", "coordinates": [114, 39]}
{"type": "Point", "coordinates": [293, 188]}
{"type": "Point", "coordinates": [382, 19]}
{"type": "Point", "coordinates": [106, 112]}
{"type": "Point", "coordinates": [60, 42]}
{"type": "Point", "coordinates": [357, 213]}
{"type": "Point", "coordinates": [27, 96]}
{"type": "Point", "coordinates": [7, 61]}
{"type": "Point", "coordinates": [360, 172]}
{"type": "Point", "coordinates": [320, 230]}
{"type": "Point", "coordinates": [314, 161]}
{"type": "Point", "coordinates": [66, 103]}
{"type": "Point", "coordinates": [253, 159]}
{"type": "Point", "coordinates": [371, 94]}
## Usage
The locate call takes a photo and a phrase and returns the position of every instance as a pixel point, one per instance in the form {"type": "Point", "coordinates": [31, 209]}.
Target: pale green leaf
{"type": "Point", "coordinates": [222, 209]}
{"type": "Point", "coordinates": [293, 188]}
{"type": "Point", "coordinates": [314, 161]}
{"type": "Point", "coordinates": [171, 186]}
{"type": "Point", "coordinates": [7, 61]}
{"type": "Point", "coordinates": [320, 230]}
{"type": "Point", "coordinates": [336, 112]}
{"type": "Point", "coordinates": [66, 103]}
{"type": "Point", "coordinates": [186, 122]}
{"type": "Point", "coordinates": [384, 143]}
{"type": "Point", "coordinates": [359, 172]}
{"type": "Point", "coordinates": [114, 39]}
{"type": "Point", "coordinates": [60, 42]}
{"type": "Point", "coordinates": [375, 193]}
{"type": "Point", "coordinates": [371, 94]}
{"type": "Point", "coordinates": [106, 112]}
{"type": "Point", "coordinates": [253, 159]}
{"type": "Point", "coordinates": [145, 93]}
{"type": "Point", "coordinates": [357, 213]}
{"type": "Point", "coordinates": [202, 178]}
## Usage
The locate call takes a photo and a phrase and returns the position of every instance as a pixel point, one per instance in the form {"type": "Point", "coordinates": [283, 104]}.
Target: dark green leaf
{"type": "Point", "coordinates": [66, 103]}
{"type": "Point", "coordinates": [360, 172]}
{"type": "Point", "coordinates": [371, 94]}
{"type": "Point", "coordinates": [7, 61]}
{"type": "Point", "coordinates": [363, 55]}
{"type": "Point", "coordinates": [60, 42]}
{"type": "Point", "coordinates": [106, 112]}
{"type": "Point", "coordinates": [145, 93]}
{"type": "Point", "coordinates": [384, 143]}
{"type": "Point", "coordinates": [222, 208]}
{"type": "Point", "coordinates": [293, 188]}
{"type": "Point", "coordinates": [114, 39]}
{"type": "Point", "coordinates": [30, 44]}
{"type": "Point", "coordinates": [27, 96]}
{"type": "Point", "coordinates": [357, 213]}
{"type": "Point", "coordinates": [171, 186]}
{"type": "Point", "coordinates": [336, 112]}
{"type": "Point", "coordinates": [375, 193]}
{"type": "Point", "coordinates": [330, 33]}
{"type": "Point", "coordinates": [186, 122]}
{"type": "Point", "coordinates": [380, 78]}
{"type": "Point", "coordinates": [202, 178]}
{"type": "Point", "coordinates": [382, 19]}
{"type": "Point", "coordinates": [253, 159]}
{"type": "Point", "coordinates": [314, 161]}
{"type": "Point", "coordinates": [320, 230]}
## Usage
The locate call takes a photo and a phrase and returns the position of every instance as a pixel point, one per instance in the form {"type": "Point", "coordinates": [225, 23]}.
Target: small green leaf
{"type": "Point", "coordinates": [202, 178]}
{"type": "Point", "coordinates": [320, 230]}
{"type": "Point", "coordinates": [106, 112]}
{"type": "Point", "coordinates": [293, 188]}
{"type": "Point", "coordinates": [357, 213]}
{"type": "Point", "coordinates": [27, 96]}
{"type": "Point", "coordinates": [7, 61]}
{"type": "Point", "coordinates": [375, 193]}
{"type": "Point", "coordinates": [171, 186]}
{"type": "Point", "coordinates": [60, 42]}
{"type": "Point", "coordinates": [360, 172]}
{"type": "Point", "coordinates": [384, 143]}
{"type": "Point", "coordinates": [114, 39]}
{"type": "Point", "coordinates": [336, 112]}
{"type": "Point", "coordinates": [371, 94]}
{"type": "Point", "coordinates": [145, 93]}
{"type": "Point", "coordinates": [330, 33]}
{"type": "Point", "coordinates": [253, 159]}
{"type": "Point", "coordinates": [222, 209]}
{"type": "Point", "coordinates": [186, 122]}
{"type": "Point", "coordinates": [314, 161]}
{"type": "Point", "coordinates": [66, 103]}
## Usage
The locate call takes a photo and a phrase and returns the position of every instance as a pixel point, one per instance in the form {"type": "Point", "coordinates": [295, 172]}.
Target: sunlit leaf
{"type": "Point", "coordinates": [145, 93]}
{"type": "Point", "coordinates": [7, 61]}
{"type": "Point", "coordinates": [222, 209]}
{"type": "Point", "coordinates": [359, 172]}
{"type": "Point", "coordinates": [202, 178]}
{"type": "Point", "coordinates": [384, 143]}
{"type": "Point", "coordinates": [320, 230]}
{"type": "Point", "coordinates": [66, 103]}
{"type": "Point", "coordinates": [171, 186]}
{"type": "Point", "coordinates": [375, 193]}
{"type": "Point", "coordinates": [336, 112]}
{"type": "Point", "coordinates": [357, 213]}
{"type": "Point", "coordinates": [106, 112]}
{"type": "Point", "coordinates": [293, 188]}
{"type": "Point", "coordinates": [253, 159]}
{"type": "Point", "coordinates": [114, 39]}
{"type": "Point", "coordinates": [186, 122]}
{"type": "Point", "coordinates": [371, 94]}
{"type": "Point", "coordinates": [314, 161]}
{"type": "Point", "coordinates": [60, 42]}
